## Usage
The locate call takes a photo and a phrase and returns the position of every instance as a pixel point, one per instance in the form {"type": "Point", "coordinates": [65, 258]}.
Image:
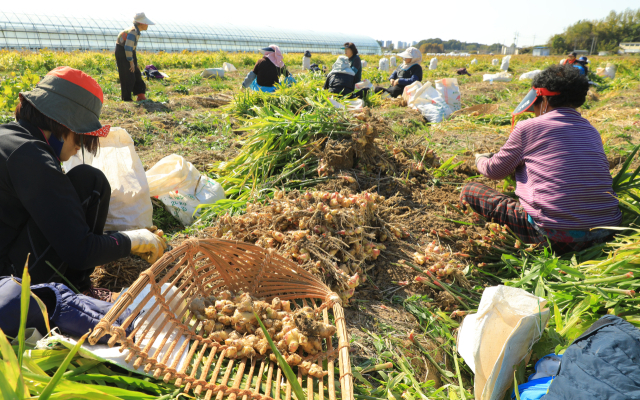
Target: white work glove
{"type": "Point", "coordinates": [146, 245]}
{"type": "Point", "coordinates": [483, 155]}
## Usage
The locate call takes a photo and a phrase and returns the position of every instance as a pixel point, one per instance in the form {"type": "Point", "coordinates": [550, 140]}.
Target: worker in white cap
{"type": "Point", "coordinates": [127, 61]}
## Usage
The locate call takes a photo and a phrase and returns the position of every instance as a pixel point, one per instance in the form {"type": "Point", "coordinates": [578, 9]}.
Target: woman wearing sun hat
{"type": "Point", "coordinates": [267, 71]}
{"type": "Point", "coordinates": [409, 72]}
{"type": "Point", "coordinates": [57, 219]}
{"type": "Point", "coordinates": [127, 60]}
{"type": "Point", "coordinates": [564, 187]}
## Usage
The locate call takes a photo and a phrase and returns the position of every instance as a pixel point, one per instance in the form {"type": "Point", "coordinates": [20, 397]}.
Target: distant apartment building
{"type": "Point", "coordinates": [541, 51]}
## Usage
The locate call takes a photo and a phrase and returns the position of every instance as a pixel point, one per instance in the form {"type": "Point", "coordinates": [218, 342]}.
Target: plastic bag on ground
{"type": "Point", "coordinates": [474, 62]}
{"type": "Point", "coordinates": [495, 61]}
{"type": "Point", "coordinates": [505, 63]}
{"type": "Point", "coordinates": [364, 84]}
{"type": "Point", "coordinates": [499, 77]}
{"type": "Point", "coordinates": [433, 64]}
{"type": "Point", "coordinates": [213, 72]}
{"type": "Point", "coordinates": [435, 112]}
{"type": "Point", "coordinates": [181, 188]}
{"type": "Point", "coordinates": [423, 95]}
{"type": "Point", "coordinates": [530, 74]}
{"type": "Point", "coordinates": [450, 92]}
{"type": "Point", "coordinates": [608, 72]}
{"type": "Point", "coordinates": [392, 61]}
{"type": "Point", "coordinates": [383, 64]}
{"type": "Point", "coordinates": [228, 67]}
{"type": "Point", "coordinates": [130, 206]}
{"type": "Point", "coordinates": [410, 90]}
{"type": "Point", "coordinates": [508, 323]}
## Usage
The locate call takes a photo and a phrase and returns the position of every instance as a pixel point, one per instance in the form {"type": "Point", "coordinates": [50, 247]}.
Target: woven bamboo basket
{"type": "Point", "coordinates": [209, 266]}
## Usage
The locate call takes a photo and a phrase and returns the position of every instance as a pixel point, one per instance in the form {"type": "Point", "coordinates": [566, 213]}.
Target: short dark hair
{"type": "Point", "coordinates": [351, 46]}
{"type": "Point", "coordinates": [567, 80]}
{"type": "Point", "coordinates": [28, 112]}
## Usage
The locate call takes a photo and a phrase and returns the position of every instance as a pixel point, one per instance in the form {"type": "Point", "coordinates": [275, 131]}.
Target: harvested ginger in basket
{"type": "Point", "coordinates": [229, 320]}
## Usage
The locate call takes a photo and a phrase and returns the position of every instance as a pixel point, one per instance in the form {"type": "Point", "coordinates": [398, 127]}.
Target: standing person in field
{"type": "Point", "coordinates": [409, 72]}
{"type": "Point", "coordinates": [56, 220]}
{"type": "Point", "coordinates": [351, 52]}
{"type": "Point", "coordinates": [127, 60]}
{"type": "Point", "coordinates": [562, 173]}
{"type": "Point", "coordinates": [340, 79]}
{"type": "Point", "coordinates": [267, 71]}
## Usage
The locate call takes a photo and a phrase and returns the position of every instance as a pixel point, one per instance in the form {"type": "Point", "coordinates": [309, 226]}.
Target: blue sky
{"type": "Point", "coordinates": [464, 20]}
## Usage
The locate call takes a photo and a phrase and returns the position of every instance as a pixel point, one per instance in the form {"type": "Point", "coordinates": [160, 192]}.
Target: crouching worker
{"type": "Point", "coordinates": [341, 78]}
{"type": "Point", "coordinates": [267, 71]}
{"type": "Point", "coordinates": [409, 72]}
{"type": "Point", "coordinates": [57, 219]}
{"type": "Point", "coordinates": [562, 174]}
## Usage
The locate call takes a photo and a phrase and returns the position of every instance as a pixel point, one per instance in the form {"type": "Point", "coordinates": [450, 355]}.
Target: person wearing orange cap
{"type": "Point", "coordinates": [127, 60]}
{"type": "Point", "coordinates": [52, 220]}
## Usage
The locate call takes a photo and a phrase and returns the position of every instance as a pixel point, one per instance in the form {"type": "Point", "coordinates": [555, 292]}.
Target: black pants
{"type": "Point", "coordinates": [129, 81]}
{"type": "Point", "coordinates": [95, 193]}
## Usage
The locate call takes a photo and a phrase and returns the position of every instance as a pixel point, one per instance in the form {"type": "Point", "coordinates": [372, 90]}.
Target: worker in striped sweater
{"type": "Point", "coordinates": [564, 186]}
{"type": "Point", "coordinates": [127, 60]}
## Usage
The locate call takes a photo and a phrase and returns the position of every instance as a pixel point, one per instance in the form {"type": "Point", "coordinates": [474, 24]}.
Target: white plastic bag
{"type": "Point", "coordinates": [392, 61]}
{"type": "Point", "coordinates": [433, 64]}
{"type": "Point", "coordinates": [450, 92]}
{"type": "Point", "coordinates": [306, 63]}
{"type": "Point", "coordinates": [212, 72]}
{"type": "Point", "coordinates": [505, 63]}
{"type": "Point", "coordinates": [530, 74]}
{"type": "Point", "coordinates": [181, 188]}
{"type": "Point", "coordinates": [424, 95]}
{"type": "Point", "coordinates": [130, 205]}
{"type": "Point", "coordinates": [437, 111]}
{"type": "Point", "coordinates": [495, 61]}
{"type": "Point", "coordinates": [383, 64]}
{"type": "Point", "coordinates": [474, 62]}
{"type": "Point", "coordinates": [228, 67]}
{"type": "Point", "coordinates": [608, 72]}
{"type": "Point", "coordinates": [508, 323]}
{"type": "Point", "coordinates": [364, 64]}
{"type": "Point", "coordinates": [499, 77]}
{"type": "Point", "coordinates": [410, 90]}
{"type": "Point", "coordinates": [365, 84]}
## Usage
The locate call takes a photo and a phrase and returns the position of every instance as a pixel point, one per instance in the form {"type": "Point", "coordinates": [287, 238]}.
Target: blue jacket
{"type": "Point", "coordinates": [603, 363]}
{"type": "Point", "coordinates": [74, 314]}
{"type": "Point", "coordinates": [407, 77]}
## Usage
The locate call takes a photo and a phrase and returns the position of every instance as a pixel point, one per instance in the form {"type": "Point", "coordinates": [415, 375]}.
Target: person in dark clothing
{"type": "Point", "coordinates": [409, 72]}
{"type": "Point", "coordinates": [267, 71]}
{"type": "Point", "coordinates": [584, 62]}
{"type": "Point", "coordinates": [57, 219]}
{"type": "Point", "coordinates": [351, 52]}
{"type": "Point", "coordinates": [340, 79]}
{"type": "Point", "coordinates": [127, 60]}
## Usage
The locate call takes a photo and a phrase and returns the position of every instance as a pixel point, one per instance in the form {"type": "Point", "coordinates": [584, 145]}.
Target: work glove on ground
{"type": "Point", "coordinates": [483, 155]}
{"type": "Point", "coordinates": [147, 245]}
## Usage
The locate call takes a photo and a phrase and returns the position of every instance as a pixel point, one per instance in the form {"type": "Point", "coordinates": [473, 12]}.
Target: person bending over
{"type": "Point", "coordinates": [267, 71]}
{"type": "Point", "coordinates": [409, 72]}
{"type": "Point", "coordinates": [562, 173]}
{"type": "Point", "coordinates": [56, 220]}
{"type": "Point", "coordinates": [341, 78]}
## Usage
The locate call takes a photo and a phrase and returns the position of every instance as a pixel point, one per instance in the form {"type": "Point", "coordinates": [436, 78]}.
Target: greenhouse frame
{"type": "Point", "coordinates": [67, 33]}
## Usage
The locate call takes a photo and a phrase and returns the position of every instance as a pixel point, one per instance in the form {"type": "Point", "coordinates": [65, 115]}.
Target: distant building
{"type": "Point", "coordinates": [509, 50]}
{"type": "Point", "coordinates": [541, 51]}
{"type": "Point", "coordinates": [581, 52]}
{"type": "Point", "coordinates": [388, 44]}
{"type": "Point", "coordinates": [414, 43]}
{"type": "Point", "coordinates": [630, 47]}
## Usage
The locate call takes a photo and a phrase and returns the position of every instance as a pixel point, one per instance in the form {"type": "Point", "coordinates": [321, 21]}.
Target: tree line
{"type": "Point", "coordinates": [438, 45]}
{"type": "Point", "coordinates": [604, 34]}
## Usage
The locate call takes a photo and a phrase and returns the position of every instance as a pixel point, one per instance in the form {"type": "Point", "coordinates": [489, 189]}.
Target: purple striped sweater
{"type": "Point", "coordinates": [562, 173]}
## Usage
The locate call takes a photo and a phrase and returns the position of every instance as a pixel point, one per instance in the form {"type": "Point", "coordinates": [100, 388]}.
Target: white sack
{"type": "Point", "coordinates": [495, 61]}
{"type": "Point", "coordinates": [392, 61]}
{"type": "Point", "coordinates": [608, 72]}
{"type": "Point", "coordinates": [450, 92]}
{"type": "Point", "coordinates": [435, 112]}
{"type": "Point", "coordinates": [421, 95]}
{"type": "Point", "coordinates": [364, 64]}
{"type": "Point", "coordinates": [130, 206]}
{"type": "Point", "coordinates": [499, 77]}
{"type": "Point", "coordinates": [181, 188]}
{"type": "Point", "coordinates": [212, 72]}
{"type": "Point", "coordinates": [474, 62]}
{"type": "Point", "coordinates": [508, 323]}
{"type": "Point", "coordinates": [433, 64]}
{"type": "Point", "coordinates": [383, 64]}
{"type": "Point", "coordinates": [505, 63]}
{"type": "Point", "coordinates": [530, 74]}
{"type": "Point", "coordinates": [306, 62]}
{"type": "Point", "coordinates": [364, 84]}
{"type": "Point", "coordinates": [228, 67]}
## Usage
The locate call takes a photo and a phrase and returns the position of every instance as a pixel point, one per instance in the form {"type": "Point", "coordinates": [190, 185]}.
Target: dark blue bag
{"type": "Point", "coordinates": [74, 314]}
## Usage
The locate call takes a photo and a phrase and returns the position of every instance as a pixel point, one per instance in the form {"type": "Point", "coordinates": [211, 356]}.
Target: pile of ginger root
{"type": "Point", "coordinates": [229, 319]}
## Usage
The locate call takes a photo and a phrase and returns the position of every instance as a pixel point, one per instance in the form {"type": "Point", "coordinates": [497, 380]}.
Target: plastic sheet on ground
{"type": "Point", "coordinates": [530, 74]}
{"type": "Point", "coordinates": [350, 105]}
{"type": "Point", "coordinates": [104, 353]}
{"type": "Point", "coordinates": [508, 323]}
{"type": "Point", "coordinates": [499, 77]}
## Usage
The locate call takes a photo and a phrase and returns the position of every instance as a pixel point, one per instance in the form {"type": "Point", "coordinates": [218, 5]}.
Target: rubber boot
{"type": "Point", "coordinates": [141, 97]}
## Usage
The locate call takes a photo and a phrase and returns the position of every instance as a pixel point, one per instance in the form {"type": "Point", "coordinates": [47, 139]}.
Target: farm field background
{"type": "Point", "coordinates": [418, 167]}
